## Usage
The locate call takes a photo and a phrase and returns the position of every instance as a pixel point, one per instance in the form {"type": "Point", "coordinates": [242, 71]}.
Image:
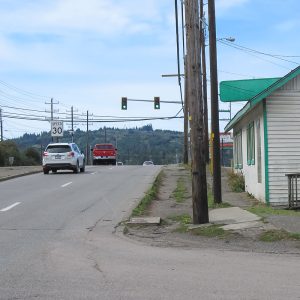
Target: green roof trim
{"type": "Point", "coordinates": [262, 95]}
{"type": "Point", "coordinates": [243, 90]}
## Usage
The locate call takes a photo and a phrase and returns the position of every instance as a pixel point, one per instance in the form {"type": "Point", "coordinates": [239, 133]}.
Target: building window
{"type": "Point", "coordinates": [238, 154]}
{"type": "Point", "coordinates": [250, 144]}
{"type": "Point", "coordinates": [258, 149]}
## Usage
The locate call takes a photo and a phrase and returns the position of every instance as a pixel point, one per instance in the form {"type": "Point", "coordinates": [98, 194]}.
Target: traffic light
{"type": "Point", "coordinates": [156, 103]}
{"type": "Point", "coordinates": [124, 103]}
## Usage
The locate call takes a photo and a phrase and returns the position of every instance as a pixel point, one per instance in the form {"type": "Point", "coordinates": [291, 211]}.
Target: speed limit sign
{"type": "Point", "coordinates": [57, 128]}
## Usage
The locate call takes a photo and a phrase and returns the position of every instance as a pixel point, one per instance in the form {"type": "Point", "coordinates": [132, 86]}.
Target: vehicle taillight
{"type": "Point", "coordinates": [71, 154]}
{"type": "Point", "coordinates": [45, 153]}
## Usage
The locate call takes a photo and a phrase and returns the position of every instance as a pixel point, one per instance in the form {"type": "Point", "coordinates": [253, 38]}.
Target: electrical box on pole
{"type": "Point", "coordinates": [156, 103]}
{"type": "Point", "coordinates": [124, 103]}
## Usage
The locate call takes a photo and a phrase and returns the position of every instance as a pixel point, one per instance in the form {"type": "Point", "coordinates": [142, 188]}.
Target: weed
{"type": "Point", "coordinates": [180, 191]}
{"type": "Point", "coordinates": [236, 182]}
{"type": "Point", "coordinates": [251, 196]}
{"type": "Point", "coordinates": [150, 195]}
{"type": "Point", "coordinates": [263, 210]}
{"type": "Point", "coordinates": [184, 221]}
{"type": "Point", "coordinates": [278, 235]}
{"type": "Point", "coordinates": [210, 231]}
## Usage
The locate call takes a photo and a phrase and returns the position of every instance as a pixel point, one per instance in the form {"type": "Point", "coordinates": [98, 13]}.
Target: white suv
{"type": "Point", "coordinates": [63, 156]}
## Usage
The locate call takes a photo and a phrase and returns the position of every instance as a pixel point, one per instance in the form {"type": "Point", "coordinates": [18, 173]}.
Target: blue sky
{"type": "Point", "coordinates": [90, 53]}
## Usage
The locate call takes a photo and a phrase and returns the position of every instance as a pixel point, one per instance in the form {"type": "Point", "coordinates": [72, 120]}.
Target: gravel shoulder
{"type": "Point", "coordinates": [168, 209]}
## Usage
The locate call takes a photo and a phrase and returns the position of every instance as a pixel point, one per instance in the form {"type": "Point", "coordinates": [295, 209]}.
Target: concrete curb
{"type": "Point", "coordinates": [18, 175]}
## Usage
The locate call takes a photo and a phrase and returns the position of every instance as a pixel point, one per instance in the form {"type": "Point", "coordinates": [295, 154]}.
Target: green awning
{"type": "Point", "coordinates": [243, 90]}
{"type": "Point", "coordinates": [257, 98]}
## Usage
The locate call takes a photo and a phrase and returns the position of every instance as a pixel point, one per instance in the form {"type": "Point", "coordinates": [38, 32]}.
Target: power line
{"type": "Point", "coordinates": [178, 54]}
{"type": "Point", "coordinates": [250, 51]}
{"type": "Point", "coordinates": [21, 91]}
{"type": "Point", "coordinates": [262, 53]}
{"type": "Point", "coordinates": [19, 108]}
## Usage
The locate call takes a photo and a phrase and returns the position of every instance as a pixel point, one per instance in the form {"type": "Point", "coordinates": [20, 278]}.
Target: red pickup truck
{"type": "Point", "coordinates": [104, 154]}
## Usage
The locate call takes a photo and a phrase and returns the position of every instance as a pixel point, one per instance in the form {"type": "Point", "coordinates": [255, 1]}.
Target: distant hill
{"type": "Point", "coordinates": [134, 145]}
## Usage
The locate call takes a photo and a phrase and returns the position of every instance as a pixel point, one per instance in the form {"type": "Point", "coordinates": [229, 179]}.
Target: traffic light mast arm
{"type": "Point", "coordinates": [161, 101]}
{"type": "Point", "coordinates": [157, 102]}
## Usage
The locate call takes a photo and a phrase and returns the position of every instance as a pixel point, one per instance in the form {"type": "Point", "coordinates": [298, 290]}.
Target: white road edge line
{"type": "Point", "coordinates": [66, 184]}
{"type": "Point", "coordinates": [10, 207]}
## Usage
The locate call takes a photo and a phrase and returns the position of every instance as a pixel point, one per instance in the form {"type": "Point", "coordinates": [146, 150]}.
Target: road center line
{"type": "Point", "coordinates": [66, 184]}
{"type": "Point", "coordinates": [10, 207]}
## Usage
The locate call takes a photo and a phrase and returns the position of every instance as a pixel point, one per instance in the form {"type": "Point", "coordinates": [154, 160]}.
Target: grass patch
{"type": "Point", "coordinates": [210, 231]}
{"type": "Point", "coordinates": [180, 191]}
{"type": "Point", "coordinates": [263, 210]}
{"type": "Point", "coordinates": [236, 182]}
{"type": "Point", "coordinates": [184, 221]}
{"type": "Point", "coordinates": [278, 235]}
{"type": "Point", "coordinates": [149, 196]}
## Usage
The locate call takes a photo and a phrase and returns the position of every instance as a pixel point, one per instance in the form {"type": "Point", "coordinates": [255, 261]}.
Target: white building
{"type": "Point", "coordinates": [266, 133]}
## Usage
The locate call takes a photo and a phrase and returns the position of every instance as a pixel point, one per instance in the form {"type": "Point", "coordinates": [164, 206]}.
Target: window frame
{"type": "Point", "coordinates": [251, 144]}
{"type": "Point", "coordinates": [238, 150]}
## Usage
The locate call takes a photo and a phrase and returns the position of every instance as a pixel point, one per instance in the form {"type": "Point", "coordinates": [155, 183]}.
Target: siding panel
{"type": "Point", "coordinates": [283, 117]}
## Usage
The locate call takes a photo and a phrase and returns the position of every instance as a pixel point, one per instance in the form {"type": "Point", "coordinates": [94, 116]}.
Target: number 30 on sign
{"type": "Point", "coordinates": [57, 128]}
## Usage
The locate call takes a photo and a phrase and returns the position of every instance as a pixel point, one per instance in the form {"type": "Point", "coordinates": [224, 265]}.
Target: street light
{"type": "Point", "coordinates": [228, 39]}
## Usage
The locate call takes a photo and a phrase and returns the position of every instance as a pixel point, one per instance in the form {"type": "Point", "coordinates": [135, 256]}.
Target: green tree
{"type": "Point", "coordinates": [33, 156]}
{"type": "Point", "coordinates": [9, 149]}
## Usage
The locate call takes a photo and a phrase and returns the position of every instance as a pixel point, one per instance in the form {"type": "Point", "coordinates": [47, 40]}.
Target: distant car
{"type": "Point", "coordinates": [119, 163]}
{"type": "Point", "coordinates": [104, 154]}
{"type": "Point", "coordinates": [148, 163]}
{"type": "Point", "coordinates": [63, 156]}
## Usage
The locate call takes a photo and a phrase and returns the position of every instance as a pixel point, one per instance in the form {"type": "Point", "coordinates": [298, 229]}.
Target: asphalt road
{"type": "Point", "coordinates": [58, 241]}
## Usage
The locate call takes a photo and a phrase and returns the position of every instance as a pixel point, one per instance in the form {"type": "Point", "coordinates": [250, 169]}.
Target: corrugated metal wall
{"type": "Point", "coordinates": [283, 119]}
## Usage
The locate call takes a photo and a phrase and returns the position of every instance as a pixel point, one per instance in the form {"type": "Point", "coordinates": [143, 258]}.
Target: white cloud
{"type": "Point", "coordinates": [100, 16]}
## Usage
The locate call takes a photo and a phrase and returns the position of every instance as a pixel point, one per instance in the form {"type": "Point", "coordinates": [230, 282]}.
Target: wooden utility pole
{"type": "Point", "coordinates": [1, 126]}
{"type": "Point", "coordinates": [72, 123]}
{"type": "Point", "coordinates": [204, 84]}
{"type": "Point", "coordinates": [52, 113]}
{"type": "Point", "coordinates": [199, 186]}
{"type": "Point", "coordinates": [186, 117]}
{"type": "Point", "coordinates": [215, 131]}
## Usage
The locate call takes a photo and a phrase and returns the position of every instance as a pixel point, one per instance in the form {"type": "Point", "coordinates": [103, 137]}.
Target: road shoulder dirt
{"type": "Point", "coordinates": [241, 237]}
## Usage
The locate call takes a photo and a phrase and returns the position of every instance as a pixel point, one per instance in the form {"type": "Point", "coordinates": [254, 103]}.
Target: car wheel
{"type": "Point", "coordinates": [46, 171]}
{"type": "Point", "coordinates": [76, 169]}
{"type": "Point", "coordinates": [82, 169]}
{"type": "Point", "coordinates": [54, 171]}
